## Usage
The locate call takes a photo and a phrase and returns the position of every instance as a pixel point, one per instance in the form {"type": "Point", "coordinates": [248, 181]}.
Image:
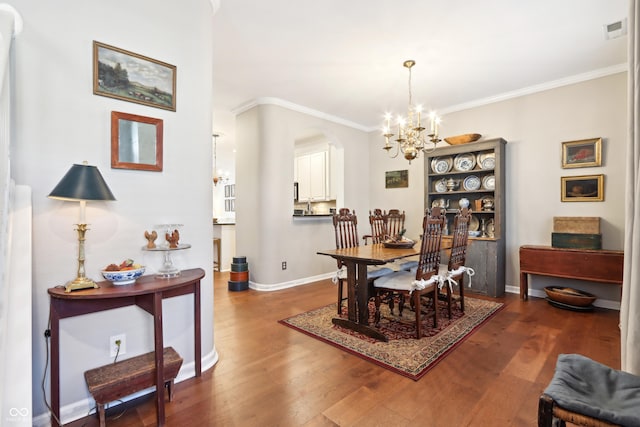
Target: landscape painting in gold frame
{"type": "Point", "coordinates": [585, 188]}
{"type": "Point", "coordinates": [582, 154]}
{"type": "Point", "coordinates": [128, 76]}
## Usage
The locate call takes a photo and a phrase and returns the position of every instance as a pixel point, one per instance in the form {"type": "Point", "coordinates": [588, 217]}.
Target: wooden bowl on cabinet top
{"type": "Point", "coordinates": [462, 139]}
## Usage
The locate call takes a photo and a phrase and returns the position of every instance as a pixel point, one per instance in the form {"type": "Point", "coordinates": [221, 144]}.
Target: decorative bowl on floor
{"type": "Point", "coordinates": [123, 277]}
{"type": "Point", "coordinates": [570, 296]}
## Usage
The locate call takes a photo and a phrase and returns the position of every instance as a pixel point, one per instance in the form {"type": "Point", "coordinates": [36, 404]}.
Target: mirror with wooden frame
{"type": "Point", "coordinates": [136, 142]}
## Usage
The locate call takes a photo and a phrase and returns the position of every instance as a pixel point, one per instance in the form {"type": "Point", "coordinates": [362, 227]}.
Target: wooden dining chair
{"type": "Point", "coordinates": [345, 224]}
{"type": "Point", "coordinates": [385, 225]}
{"type": "Point", "coordinates": [425, 281]}
{"type": "Point", "coordinates": [455, 269]}
{"type": "Point", "coordinates": [378, 224]}
{"type": "Point", "coordinates": [394, 221]}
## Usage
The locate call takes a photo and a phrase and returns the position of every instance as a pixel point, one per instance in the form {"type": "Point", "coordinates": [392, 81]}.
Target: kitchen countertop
{"type": "Point", "coordinates": [327, 215]}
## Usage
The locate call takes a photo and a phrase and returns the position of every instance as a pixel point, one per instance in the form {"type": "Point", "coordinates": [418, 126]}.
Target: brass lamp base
{"type": "Point", "coordinates": [80, 283]}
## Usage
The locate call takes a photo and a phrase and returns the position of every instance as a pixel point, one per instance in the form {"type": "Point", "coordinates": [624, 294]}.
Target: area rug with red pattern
{"type": "Point", "coordinates": [403, 353]}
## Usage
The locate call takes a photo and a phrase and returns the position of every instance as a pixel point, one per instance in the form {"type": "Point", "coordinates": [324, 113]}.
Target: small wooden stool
{"type": "Point", "coordinates": [216, 261]}
{"type": "Point", "coordinates": [111, 382]}
{"type": "Point", "coordinates": [587, 393]}
{"type": "Point", "coordinates": [552, 415]}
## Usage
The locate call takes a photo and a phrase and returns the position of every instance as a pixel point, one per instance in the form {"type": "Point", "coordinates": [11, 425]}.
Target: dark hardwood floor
{"type": "Point", "coordinates": [271, 375]}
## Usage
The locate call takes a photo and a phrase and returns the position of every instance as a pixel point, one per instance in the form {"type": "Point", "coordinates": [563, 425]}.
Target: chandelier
{"type": "Point", "coordinates": [218, 176]}
{"type": "Point", "coordinates": [411, 138]}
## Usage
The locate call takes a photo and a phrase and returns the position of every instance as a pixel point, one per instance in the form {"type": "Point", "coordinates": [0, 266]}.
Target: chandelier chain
{"type": "Point", "coordinates": [410, 98]}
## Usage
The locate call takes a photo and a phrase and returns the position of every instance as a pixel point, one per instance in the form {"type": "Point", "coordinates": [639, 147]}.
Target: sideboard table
{"type": "Point", "coordinates": [582, 264]}
{"type": "Point", "coordinates": [147, 293]}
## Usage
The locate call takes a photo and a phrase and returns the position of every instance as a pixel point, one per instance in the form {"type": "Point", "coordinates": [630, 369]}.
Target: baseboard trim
{"type": "Point", "coordinates": [290, 284]}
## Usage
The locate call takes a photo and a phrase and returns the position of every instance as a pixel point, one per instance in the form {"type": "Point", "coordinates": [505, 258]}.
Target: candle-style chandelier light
{"type": "Point", "coordinates": [411, 138]}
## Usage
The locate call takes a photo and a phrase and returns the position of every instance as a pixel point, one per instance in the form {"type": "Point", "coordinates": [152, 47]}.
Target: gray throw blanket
{"type": "Point", "coordinates": [595, 390]}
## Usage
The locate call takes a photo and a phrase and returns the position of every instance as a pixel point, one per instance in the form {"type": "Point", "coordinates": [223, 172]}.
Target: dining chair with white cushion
{"type": "Point", "coordinates": [425, 281]}
{"type": "Point", "coordinates": [454, 271]}
{"type": "Point", "coordinates": [345, 224]}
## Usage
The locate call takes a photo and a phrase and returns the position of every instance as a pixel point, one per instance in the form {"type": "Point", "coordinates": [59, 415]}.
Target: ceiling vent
{"type": "Point", "coordinates": [615, 29]}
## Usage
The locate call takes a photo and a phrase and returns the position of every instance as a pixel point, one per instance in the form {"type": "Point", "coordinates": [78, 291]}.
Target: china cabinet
{"type": "Point", "coordinates": [473, 174]}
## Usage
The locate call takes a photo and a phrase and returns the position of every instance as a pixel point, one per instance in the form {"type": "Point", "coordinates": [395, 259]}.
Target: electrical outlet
{"type": "Point", "coordinates": [284, 265]}
{"type": "Point", "coordinates": [113, 345]}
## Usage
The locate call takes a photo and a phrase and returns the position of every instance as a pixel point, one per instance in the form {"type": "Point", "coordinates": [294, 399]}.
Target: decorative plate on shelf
{"type": "Point", "coordinates": [464, 162]}
{"type": "Point", "coordinates": [487, 161]}
{"type": "Point", "coordinates": [470, 183]}
{"type": "Point", "coordinates": [441, 185]}
{"type": "Point", "coordinates": [474, 224]}
{"type": "Point", "coordinates": [489, 182]}
{"type": "Point", "coordinates": [441, 164]}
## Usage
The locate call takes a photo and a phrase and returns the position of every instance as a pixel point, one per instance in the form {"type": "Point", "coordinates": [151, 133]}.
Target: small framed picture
{"type": "Point", "coordinates": [586, 188]}
{"type": "Point", "coordinates": [131, 77]}
{"type": "Point", "coordinates": [396, 179]}
{"type": "Point", "coordinates": [582, 154]}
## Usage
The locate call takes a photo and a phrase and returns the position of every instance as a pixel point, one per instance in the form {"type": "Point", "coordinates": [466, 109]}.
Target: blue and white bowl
{"type": "Point", "coordinates": [124, 277]}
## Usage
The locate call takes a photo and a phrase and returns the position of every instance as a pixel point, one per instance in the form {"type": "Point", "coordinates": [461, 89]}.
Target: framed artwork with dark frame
{"type": "Point", "coordinates": [396, 179]}
{"type": "Point", "coordinates": [582, 154]}
{"type": "Point", "coordinates": [128, 76]}
{"type": "Point", "coordinates": [585, 188]}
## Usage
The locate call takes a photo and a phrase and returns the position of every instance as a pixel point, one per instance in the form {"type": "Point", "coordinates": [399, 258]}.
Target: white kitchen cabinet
{"type": "Point", "coordinates": [311, 171]}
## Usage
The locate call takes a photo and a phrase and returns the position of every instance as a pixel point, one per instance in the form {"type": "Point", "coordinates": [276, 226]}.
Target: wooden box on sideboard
{"type": "Point", "coordinates": [576, 224]}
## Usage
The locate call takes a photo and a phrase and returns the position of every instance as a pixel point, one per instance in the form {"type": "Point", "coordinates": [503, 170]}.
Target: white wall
{"type": "Point", "coordinates": [59, 122]}
{"type": "Point", "coordinates": [266, 232]}
{"type": "Point", "coordinates": [534, 127]}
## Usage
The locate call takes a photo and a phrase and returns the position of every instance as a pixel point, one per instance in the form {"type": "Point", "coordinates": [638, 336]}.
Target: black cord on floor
{"type": "Point", "coordinates": [47, 335]}
{"type": "Point", "coordinates": [117, 353]}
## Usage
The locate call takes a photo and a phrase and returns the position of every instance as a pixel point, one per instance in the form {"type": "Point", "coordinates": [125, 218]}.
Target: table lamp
{"type": "Point", "coordinates": [81, 183]}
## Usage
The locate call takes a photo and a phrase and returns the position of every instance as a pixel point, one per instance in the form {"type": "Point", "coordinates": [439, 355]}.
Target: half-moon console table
{"type": "Point", "coordinates": [147, 293]}
{"type": "Point", "coordinates": [582, 264]}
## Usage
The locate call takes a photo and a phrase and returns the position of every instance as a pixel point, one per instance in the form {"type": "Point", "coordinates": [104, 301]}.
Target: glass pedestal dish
{"type": "Point", "coordinates": [168, 269]}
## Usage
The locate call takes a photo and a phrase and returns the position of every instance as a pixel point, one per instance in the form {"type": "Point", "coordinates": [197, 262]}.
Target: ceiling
{"type": "Point", "coordinates": [343, 58]}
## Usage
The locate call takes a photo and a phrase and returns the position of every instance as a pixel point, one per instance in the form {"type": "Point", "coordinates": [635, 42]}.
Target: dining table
{"type": "Point", "coordinates": [357, 260]}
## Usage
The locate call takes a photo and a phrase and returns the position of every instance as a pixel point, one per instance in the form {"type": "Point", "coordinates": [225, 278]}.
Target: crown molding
{"type": "Point", "coordinates": [300, 109]}
{"type": "Point", "coordinates": [602, 72]}
{"type": "Point", "coordinates": [591, 75]}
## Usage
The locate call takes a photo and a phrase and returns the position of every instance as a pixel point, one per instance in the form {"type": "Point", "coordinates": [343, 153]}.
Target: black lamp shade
{"type": "Point", "coordinates": [82, 182]}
